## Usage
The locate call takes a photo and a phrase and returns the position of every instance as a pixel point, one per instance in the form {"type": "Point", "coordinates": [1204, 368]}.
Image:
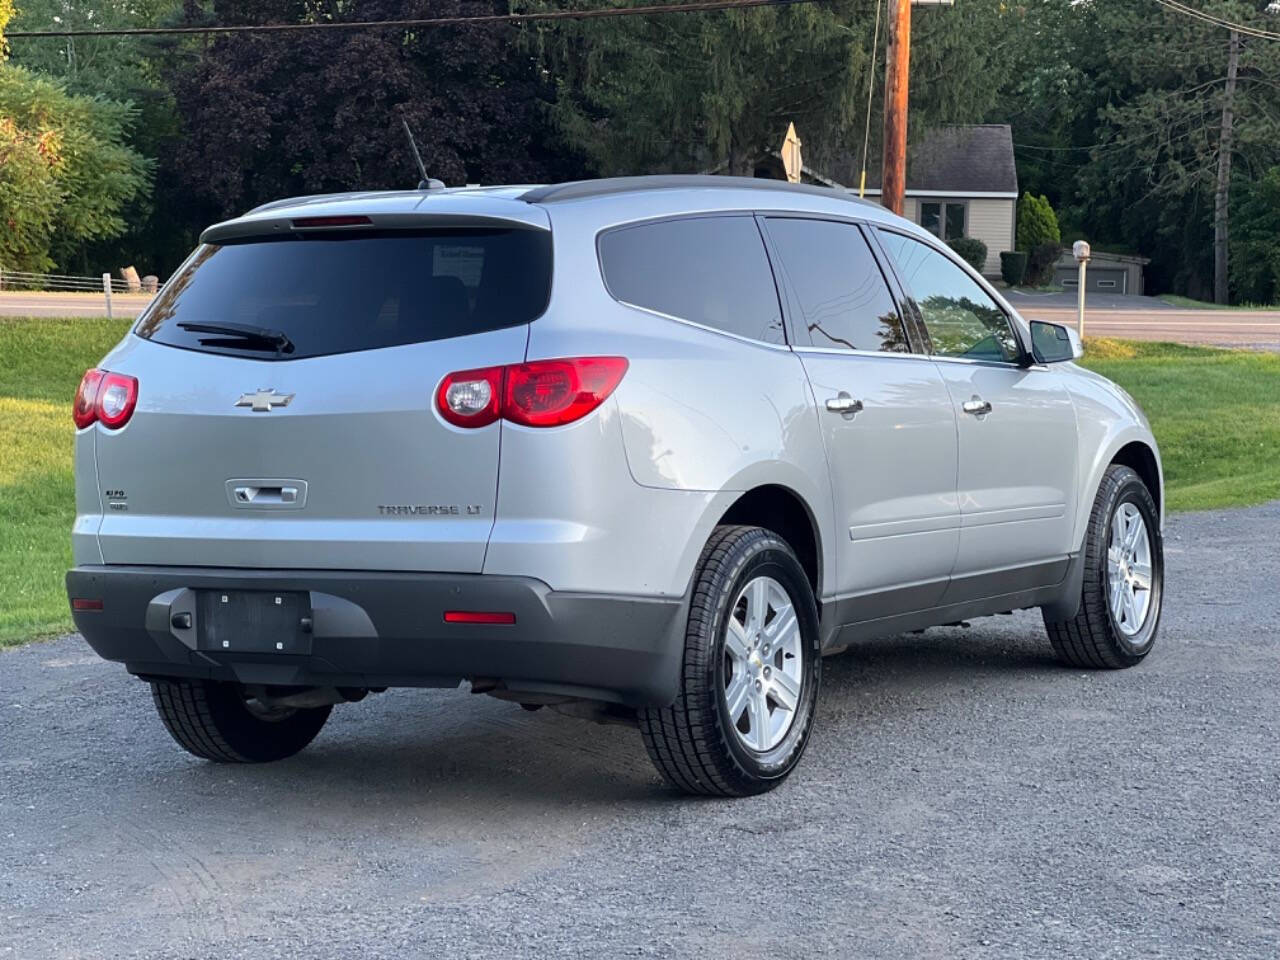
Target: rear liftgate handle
{"type": "Point", "coordinates": [266, 496]}
{"type": "Point", "coordinates": [272, 493]}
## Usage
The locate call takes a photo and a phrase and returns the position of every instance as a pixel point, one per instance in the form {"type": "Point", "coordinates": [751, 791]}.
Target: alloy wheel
{"type": "Point", "coordinates": [764, 664]}
{"type": "Point", "coordinates": [1129, 569]}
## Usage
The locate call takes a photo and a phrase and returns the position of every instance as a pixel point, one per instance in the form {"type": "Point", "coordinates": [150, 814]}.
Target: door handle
{"type": "Point", "coordinates": [977, 406]}
{"type": "Point", "coordinates": [844, 404]}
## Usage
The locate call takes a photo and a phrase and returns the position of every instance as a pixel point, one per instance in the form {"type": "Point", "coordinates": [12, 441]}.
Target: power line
{"type": "Point", "coordinates": [1217, 21]}
{"type": "Point", "coordinates": [700, 6]}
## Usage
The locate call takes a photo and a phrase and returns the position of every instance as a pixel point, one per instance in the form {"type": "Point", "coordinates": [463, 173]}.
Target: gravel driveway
{"type": "Point", "coordinates": [963, 796]}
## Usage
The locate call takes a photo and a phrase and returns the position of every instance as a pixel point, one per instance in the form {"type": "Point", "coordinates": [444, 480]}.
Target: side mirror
{"type": "Point", "coordinates": [1054, 343]}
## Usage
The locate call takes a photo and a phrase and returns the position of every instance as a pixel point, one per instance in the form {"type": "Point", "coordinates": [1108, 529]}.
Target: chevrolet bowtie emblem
{"type": "Point", "coordinates": [264, 399]}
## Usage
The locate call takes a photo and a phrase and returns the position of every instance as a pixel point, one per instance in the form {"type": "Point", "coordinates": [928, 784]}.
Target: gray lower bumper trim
{"type": "Point", "coordinates": [388, 629]}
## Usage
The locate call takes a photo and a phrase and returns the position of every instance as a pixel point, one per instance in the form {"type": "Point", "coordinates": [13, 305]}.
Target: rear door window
{"type": "Point", "coordinates": [318, 294]}
{"type": "Point", "coordinates": [842, 299]}
{"type": "Point", "coordinates": [710, 270]}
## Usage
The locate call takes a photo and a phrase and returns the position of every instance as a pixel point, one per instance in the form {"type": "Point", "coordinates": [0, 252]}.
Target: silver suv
{"type": "Point", "coordinates": [643, 449]}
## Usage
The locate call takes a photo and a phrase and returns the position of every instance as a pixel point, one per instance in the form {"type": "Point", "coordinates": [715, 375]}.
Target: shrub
{"type": "Point", "coordinates": [1040, 263]}
{"type": "Point", "coordinates": [972, 250]}
{"type": "Point", "coordinates": [1037, 223]}
{"type": "Point", "coordinates": [1013, 267]}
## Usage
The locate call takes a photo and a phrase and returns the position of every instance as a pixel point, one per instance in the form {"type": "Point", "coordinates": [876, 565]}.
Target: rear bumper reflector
{"type": "Point", "coordinates": [478, 616]}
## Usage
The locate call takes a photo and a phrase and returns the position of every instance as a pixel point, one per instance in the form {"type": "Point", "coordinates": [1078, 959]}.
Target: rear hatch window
{"type": "Point", "coordinates": [316, 294]}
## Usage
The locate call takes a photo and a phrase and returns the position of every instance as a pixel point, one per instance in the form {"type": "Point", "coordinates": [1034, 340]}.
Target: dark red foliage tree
{"type": "Point", "coordinates": [279, 114]}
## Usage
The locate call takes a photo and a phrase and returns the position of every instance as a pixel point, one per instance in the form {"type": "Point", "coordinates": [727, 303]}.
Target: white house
{"type": "Point", "coordinates": [961, 182]}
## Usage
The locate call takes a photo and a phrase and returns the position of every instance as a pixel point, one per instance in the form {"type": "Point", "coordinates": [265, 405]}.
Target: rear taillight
{"type": "Point", "coordinates": [117, 396]}
{"type": "Point", "coordinates": [106, 397]}
{"type": "Point", "coordinates": [471, 398]}
{"type": "Point", "coordinates": [548, 393]}
{"type": "Point", "coordinates": [541, 393]}
{"type": "Point", "coordinates": [85, 409]}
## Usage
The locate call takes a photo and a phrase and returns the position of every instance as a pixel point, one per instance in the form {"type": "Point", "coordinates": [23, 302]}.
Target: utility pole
{"type": "Point", "coordinates": [1222, 195]}
{"type": "Point", "coordinates": [893, 177]}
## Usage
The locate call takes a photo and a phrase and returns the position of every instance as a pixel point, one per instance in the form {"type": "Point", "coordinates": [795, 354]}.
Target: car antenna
{"type": "Point", "coordinates": [426, 183]}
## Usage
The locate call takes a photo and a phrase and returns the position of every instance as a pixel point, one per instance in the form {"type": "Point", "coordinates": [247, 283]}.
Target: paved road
{"type": "Point", "coordinates": [963, 796]}
{"type": "Point", "coordinates": [1223, 328]}
{"type": "Point", "coordinates": [1149, 318]}
{"type": "Point", "coordinates": [1096, 300]}
{"type": "Point", "coordinates": [17, 304]}
{"type": "Point", "coordinates": [1137, 318]}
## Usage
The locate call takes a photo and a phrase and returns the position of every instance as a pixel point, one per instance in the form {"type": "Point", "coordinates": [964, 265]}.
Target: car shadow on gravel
{"type": "Point", "coordinates": [413, 751]}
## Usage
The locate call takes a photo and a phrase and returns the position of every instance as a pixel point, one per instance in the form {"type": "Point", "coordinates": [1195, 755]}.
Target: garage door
{"type": "Point", "coordinates": [1097, 279]}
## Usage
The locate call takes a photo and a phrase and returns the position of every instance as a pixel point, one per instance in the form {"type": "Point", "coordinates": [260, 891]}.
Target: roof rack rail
{"type": "Point", "coordinates": [583, 189]}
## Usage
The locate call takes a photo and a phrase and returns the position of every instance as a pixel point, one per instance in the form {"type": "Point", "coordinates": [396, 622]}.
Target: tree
{"type": "Point", "coordinates": [1255, 268]}
{"type": "Point", "coordinates": [119, 68]}
{"type": "Point", "coordinates": [1170, 121]}
{"type": "Point", "coordinates": [125, 70]}
{"type": "Point", "coordinates": [65, 171]}
{"type": "Point", "coordinates": [274, 115]}
{"type": "Point", "coordinates": [715, 91]}
{"type": "Point", "coordinates": [702, 91]}
{"type": "Point", "coordinates": [6, 14]}
{"type": "Point", "coordinates": [1037, 223]}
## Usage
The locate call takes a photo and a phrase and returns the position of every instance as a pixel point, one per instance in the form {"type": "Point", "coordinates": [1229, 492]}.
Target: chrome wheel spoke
{"type": "Point", "coordinates": [1134, 530]}
{"type": "Point", "coordinates": [758, 732]}
{"type": "Point", "coordinates": [784, 624]}
{"type": "Point", "coordinates": [1117, 594]}
{"type": "Point", "coordinates": [736, 642]}
{"type": "Point", "coordinates": [736, 695]}
{"type": "Point", "coordinates": [785, 691]}
{"type": "Point", "coordinates": [757, 605]}
{"type": "Point", "coordinates": [1141, 573]}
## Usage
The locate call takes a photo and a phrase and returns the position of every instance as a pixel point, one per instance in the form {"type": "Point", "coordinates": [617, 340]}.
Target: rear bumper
{"type": "Point", "coordinates": [388, 629]}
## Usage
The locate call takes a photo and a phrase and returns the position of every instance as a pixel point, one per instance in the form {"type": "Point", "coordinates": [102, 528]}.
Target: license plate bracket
{"type": "Point", "coordinates": [253, 621]}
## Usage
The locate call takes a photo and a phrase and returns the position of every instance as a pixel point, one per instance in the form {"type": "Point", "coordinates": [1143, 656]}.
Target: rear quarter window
{"type": "Point", "coordinates": [346, 291]}
{"type": "Point", "coordinates": [711, 270]}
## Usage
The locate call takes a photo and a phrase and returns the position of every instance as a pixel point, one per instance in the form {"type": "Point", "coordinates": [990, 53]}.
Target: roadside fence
{"type": "Point", "coordinates": [64, 283]}
{"type": "Point", "coordinates": [105, 285]}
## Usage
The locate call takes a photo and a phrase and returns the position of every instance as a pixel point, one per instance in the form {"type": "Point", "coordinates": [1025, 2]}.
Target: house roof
{"type": "Point", "coordinates": [951, 161]}
{"type": "Point", "coordinates": [1067, 259]}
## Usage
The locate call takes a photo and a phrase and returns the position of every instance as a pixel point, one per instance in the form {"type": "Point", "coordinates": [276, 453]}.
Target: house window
{"type": "Point", "coordinates": [945, 219]}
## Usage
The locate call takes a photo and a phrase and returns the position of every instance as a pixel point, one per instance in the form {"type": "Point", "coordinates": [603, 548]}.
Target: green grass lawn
{"type": "Point", "coordinates": [40, 366]}
{"type": "Point", "coordinates": [1174, 300]}
{"type": "Point", "coordinates": [1216, 415]}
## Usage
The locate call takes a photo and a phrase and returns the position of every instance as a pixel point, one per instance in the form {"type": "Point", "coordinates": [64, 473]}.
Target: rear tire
{"type": "Point", "coordinates": [751, 672]}
{"type": "Point", "coordinates": [1115, 626]}
{"type": "Point", "coordinates": [215, 722]}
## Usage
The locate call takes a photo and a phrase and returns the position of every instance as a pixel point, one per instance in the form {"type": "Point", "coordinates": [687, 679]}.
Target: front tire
{"type": "Point", "coordinates": [214, 721]}
{"type": "Point", "coordinates": [1123, 589]}
{"type": "Point", "coordinates": [751, 672]}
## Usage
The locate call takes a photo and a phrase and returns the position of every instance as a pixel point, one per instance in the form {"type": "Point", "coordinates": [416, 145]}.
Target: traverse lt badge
{"type": "Point", "coordinates": [264, 400]}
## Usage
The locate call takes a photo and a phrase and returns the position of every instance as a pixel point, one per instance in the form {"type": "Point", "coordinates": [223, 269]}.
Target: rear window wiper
{"type": "Point", "coordinates": [277, 340]}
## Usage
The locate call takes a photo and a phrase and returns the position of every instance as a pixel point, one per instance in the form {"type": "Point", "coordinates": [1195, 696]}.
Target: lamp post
{"type": "Point", "coordinates": [1080, 249]}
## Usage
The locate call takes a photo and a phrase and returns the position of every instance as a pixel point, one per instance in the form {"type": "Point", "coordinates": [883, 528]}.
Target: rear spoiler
{"type": "Point", "coordinates": [300, 222]}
